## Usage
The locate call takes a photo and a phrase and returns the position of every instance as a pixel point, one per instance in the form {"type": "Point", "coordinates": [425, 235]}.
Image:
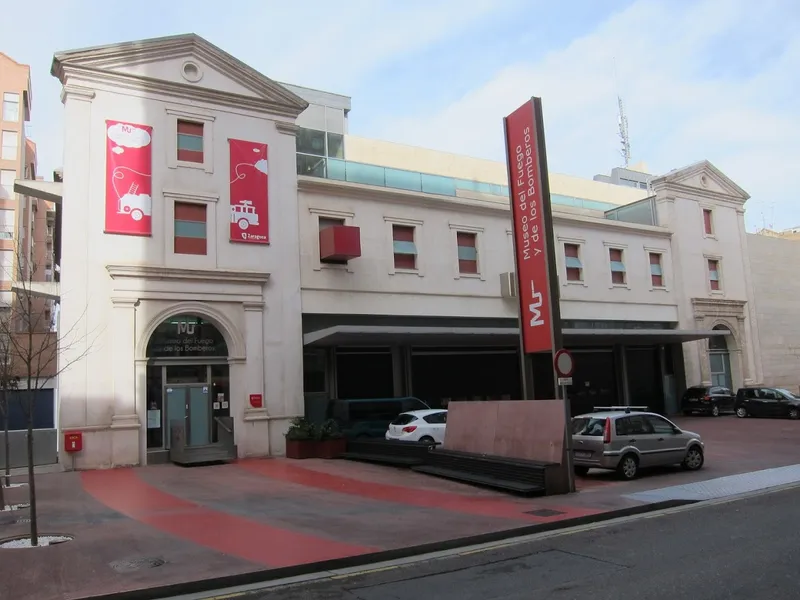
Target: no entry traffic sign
{"type": "Point", "coordinates": [563, 363]}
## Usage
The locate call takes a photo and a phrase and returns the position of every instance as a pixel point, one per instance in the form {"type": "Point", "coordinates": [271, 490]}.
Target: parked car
{"type": "Point", "coordinates": [710, 400]}
{"type": "Point", "coordinates": [369, 418]}
{"type": "Point", "coordinates": [767, 402]}
{"type": "Point", "coordinates": [625, 440]}
{"type": "Point", "coordinates": [425, 426]}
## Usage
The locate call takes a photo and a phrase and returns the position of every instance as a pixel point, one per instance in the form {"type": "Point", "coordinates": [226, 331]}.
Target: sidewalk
{"type": "Point", "coordinates": [162, 525]}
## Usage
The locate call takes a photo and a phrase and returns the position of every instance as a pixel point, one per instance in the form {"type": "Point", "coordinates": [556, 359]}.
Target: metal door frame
{"type": "Point", "coordinates": [187, 421]}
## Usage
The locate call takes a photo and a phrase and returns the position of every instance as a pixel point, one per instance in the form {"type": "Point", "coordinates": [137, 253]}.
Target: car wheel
{"type": "Point", "coordinates": [715, 411]}
{"type": "Point", "coordinates": [628, 467]}
{"type": "Point", "coordinates": [741, 412]}
{"type": "Point", "coordinates": [581, 471]}
{"type": "Point", "coordinates": [794, 414]}
{"type": "Point", "coordinates": [694, 459]}
{"type": "Point", "coordinates": [426, 439]}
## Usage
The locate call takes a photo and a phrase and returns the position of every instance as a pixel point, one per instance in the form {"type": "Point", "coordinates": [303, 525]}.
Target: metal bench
{"type": "Point", "coordinates": [513, 475]}
{"type": "Point", "coordinates": [388, 452]}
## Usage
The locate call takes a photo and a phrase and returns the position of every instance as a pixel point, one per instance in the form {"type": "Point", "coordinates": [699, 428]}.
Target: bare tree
{"type": "Point", "coordinates": [35, 349]}
{"type": "Point", "coordinates": [8, 382]}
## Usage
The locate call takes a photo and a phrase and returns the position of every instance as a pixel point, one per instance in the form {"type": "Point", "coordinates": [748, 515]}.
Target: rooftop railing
{"type": "Point", "coordinates": [413, 181]}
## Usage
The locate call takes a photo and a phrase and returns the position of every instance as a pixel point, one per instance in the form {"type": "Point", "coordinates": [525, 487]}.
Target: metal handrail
{"type": "Point", "coordinates": [221, 424]}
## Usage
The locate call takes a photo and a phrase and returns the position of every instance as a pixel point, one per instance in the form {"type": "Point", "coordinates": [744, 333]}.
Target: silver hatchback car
{"type": "Point", "coordinates": [627, 438]}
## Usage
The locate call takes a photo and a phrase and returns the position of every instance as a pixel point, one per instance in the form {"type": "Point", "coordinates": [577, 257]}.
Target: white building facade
{"type": "Point", "coordinates": [182, 320]}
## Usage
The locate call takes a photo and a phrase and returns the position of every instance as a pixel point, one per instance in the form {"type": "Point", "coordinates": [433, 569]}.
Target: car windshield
{"type": "Point", "coordinates": [786, 393]}
{"type": "Point", "coordinates": [588, 426]}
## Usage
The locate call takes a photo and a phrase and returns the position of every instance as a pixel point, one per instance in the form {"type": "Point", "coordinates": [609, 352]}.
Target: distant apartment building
{"type": "Point", "coordinates": [26, 253]}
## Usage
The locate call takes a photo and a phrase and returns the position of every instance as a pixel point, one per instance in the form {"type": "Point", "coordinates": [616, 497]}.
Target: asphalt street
{"type": "Point", "coordinates": [748, 549]}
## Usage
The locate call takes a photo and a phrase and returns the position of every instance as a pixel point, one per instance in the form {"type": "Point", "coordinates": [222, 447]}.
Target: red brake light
{"type": "Point", "coordinates": [607, 432]}
{"type": "Point", "coordinates": [707, 399]}
{"type": "Point", "coordinates": [410, 429]}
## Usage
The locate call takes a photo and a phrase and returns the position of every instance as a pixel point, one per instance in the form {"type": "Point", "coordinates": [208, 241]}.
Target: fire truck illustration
{"type": "Point", "coordinates": [244, 214]}
{"type": "Point", "coordinates": [135, 205]}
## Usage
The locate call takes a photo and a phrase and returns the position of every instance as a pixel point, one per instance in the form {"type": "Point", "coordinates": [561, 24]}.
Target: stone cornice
{"type": "Point", "coordinates": [174, 274]}
{"type": "Point", "coordinates": [177, 90]}
{"type": "Point", "coordinates": [78, 92]}
{"type": "Point", "coordinates": [286, 128]}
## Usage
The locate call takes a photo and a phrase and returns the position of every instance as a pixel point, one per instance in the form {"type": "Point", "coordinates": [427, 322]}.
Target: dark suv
{"type": "Point", "coordinates": [767, 402]}
{"type": "Point", "coordinates": [709, 400]}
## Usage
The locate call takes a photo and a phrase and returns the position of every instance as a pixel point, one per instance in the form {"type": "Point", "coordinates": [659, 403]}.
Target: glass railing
{"type": "Point", "coordinates": [413, 181]}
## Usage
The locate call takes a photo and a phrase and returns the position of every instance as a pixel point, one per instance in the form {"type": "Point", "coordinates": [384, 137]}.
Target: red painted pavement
{"type": "Point", "coordinates": [474, 505]}
{"type": "Point", "coordinates": [124, 492]}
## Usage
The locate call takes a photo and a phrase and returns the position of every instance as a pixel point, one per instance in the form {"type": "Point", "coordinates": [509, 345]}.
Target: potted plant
{"type": "Point", "coordinates": [332, 441]}
{"type": "Point", "coordinates": [302, 439]}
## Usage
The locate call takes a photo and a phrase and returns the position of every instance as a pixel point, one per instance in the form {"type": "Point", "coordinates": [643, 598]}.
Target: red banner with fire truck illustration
{"type": "Point", "coordinates": [249, 192]}
{"type": "Point", "coordinates": [129, 182]}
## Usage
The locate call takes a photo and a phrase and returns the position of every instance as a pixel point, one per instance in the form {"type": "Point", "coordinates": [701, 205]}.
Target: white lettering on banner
{"type": "Point", "coordinates": [534, 306]}
{"type": "Point", "coordinates": [531, 238]}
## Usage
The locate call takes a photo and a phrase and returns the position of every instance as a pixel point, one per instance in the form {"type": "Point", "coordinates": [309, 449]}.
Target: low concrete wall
{"type": "Point", "coordinates": [526, 429]}
{"type": "Point", "coordinates": [44, 448]}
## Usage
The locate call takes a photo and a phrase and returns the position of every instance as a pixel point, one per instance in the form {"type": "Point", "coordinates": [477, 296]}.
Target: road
{"type": "Point", "coordinates": [746, 549]}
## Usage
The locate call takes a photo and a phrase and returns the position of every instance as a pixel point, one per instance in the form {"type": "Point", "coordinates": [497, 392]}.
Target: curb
{"type": "Point", "coordinates": [361, 560]}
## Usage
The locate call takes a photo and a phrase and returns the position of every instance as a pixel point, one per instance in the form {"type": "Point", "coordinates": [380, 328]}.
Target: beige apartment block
{"type": "Point", "coordinates": [26, 223]}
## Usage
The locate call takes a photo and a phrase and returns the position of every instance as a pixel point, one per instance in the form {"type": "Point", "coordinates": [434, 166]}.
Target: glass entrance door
{"type": "Point", "coordinates": [190, 405]}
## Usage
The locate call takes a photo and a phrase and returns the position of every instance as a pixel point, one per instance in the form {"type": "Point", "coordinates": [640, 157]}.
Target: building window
{"type": "Point", "coordinates": [708, 225]}
{"type": "Point", "coordinates": [656, 270]}
{"type": "Point", "coordinates": [404, 247]}
{"type": "Point", "coordinates": [572, 260]}
{"type": "Point", "coordinates": [467, 252]}
{"type": "Point", "coordinates": [617, 266]}
{"type": "Point", "coordinates": [190, 141]}
{"type": "Point", "coordinates": [7, 177]}
{"type": "Point", "coordinates": [11, 107]}
{"type": "Point", "coordinates": [190, 228]}
{"type": "Point", "coordinates": [324, 223]}
{"type": "Point", "coordinates": [713, 274]}
{"type": "Point", "coordinates": [10, 141]}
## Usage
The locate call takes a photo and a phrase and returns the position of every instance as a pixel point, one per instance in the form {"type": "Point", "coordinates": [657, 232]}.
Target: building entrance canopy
{"type": "Point", "coordinates": [379, 335]}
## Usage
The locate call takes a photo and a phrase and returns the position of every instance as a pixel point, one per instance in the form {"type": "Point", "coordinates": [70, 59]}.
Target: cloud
{"type": "Point", "coordinates": [713, 80]}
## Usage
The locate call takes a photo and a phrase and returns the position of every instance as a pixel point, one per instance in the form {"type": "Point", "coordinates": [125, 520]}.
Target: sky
{"type": "Point", "coordinates": [700, 79]}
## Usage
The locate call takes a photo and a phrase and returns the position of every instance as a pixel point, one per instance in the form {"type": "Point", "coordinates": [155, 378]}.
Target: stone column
{"type": "Point", "coordinates": [125, 420]}
{"type": "Point", "coordinates": [744, 351]}
{"type": "Point", "coordinates": [255, 440]}
{"type": "Point", "coordinates": [702, 352]}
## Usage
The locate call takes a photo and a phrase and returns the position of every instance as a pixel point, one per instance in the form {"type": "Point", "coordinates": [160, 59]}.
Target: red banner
{"type": "Point", "coordinates": [527, 208]}
{"type": "Point", "coordinates": [129, 181]}
{"type": "Point", "coordinates": [249, 192]}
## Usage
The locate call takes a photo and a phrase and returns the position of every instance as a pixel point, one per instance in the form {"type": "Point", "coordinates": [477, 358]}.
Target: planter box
{"type": "Point", "coordinates": [301, 449]}
{"type": "Point", "coordinates": [332, 448]}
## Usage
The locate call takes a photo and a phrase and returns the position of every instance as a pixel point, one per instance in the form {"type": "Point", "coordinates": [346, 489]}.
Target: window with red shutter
{"type": "Point", "coordinates": [656, 270]}
{"type": "Point", "coordinates": [467, 252]}
{"type": "Point", "coordinates": [404, 247]}
{"type": "Point", "coordinates": [618, 275]}
{"type": "Point", "coordinates": [713, 275]}
{"type": "Point", "coordinates": [190, 228]}
{"type": "Point", "coordinates": [572, 262]}
{"type": "Point", "coordinates": [707, 224]}
{"type": "Point", "coordinates": [190, 141]}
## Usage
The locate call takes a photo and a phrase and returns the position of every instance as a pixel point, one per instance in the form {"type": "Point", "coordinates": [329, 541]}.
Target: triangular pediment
{"type": "Point", "coordinates": [704, 177]}
{"type": "Point", "coordinates": [183, 63]}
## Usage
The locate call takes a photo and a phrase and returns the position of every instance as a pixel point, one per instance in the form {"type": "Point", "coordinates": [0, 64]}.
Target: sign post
{"type": "Point", "coordinates": [534, 250]}
{"type": "Point", "coordinates": [564, 366]}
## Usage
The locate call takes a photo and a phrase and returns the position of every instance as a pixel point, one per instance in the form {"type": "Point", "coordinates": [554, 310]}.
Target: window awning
{"type": "Point", "coordinates": [38, 289]}
{"type": "Point", "coordinates": [44, 190]}
{"type": "Point", "coordinates": [379, 335]}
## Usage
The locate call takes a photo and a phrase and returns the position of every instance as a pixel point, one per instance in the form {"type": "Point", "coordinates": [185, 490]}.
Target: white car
{"type": "Point", "coordinates": [419, 426]}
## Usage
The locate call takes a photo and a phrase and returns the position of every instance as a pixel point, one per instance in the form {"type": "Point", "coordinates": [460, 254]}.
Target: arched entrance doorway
{"type": "Point", "coordinates": [720, 359]}
{"type": "Point", "coordinates": [187, 380]}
